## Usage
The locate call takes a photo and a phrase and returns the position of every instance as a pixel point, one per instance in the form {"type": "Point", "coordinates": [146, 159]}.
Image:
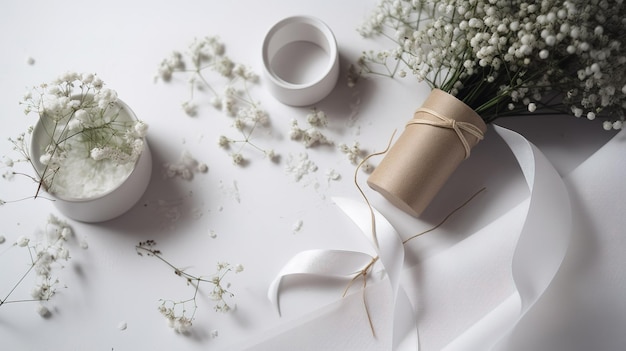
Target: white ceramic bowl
{"type": "Point", "coordinates": [300, 29]}
{"type": "Point", "coordinates": [110, 204]}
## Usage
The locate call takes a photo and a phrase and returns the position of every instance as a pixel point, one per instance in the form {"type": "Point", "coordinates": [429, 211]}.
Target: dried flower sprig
{"type": "Point", "coordinates": [311, 136]}
{"type": "Point", "coordinates": [176, 312]}
{"type": "Point", "coordinates": [45, 255]}
{"type": "Point", "coordinates": [507, 58]}
{"type": "Point", "coordinates": [357, 156]}
{"type": "Point", "coordinates": [80, 119]}
{"type": "Point", "coordinates": [205, 56]}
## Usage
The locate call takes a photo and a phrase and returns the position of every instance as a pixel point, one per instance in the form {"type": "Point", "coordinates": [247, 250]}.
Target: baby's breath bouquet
{"type": "Point", "coordinates": [490, 59]}
{"type": "Point", "coordinates": [85, 140]}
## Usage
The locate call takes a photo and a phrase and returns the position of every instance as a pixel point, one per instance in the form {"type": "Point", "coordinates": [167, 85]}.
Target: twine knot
{"type": "Point", "coordinates": [449, 123]}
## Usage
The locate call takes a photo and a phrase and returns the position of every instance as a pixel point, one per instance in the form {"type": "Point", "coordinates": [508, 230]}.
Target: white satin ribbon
{"type": "Point", "coordinates": [325, 263]}
{"type": "Point", "coordinates": [546, 234]}
{"type": "Point", "coordinates": [343, 263]}
{"type": "Point", "coordinates": [391, 253]}
{"type": "Point", "coordinates": [539, 253]}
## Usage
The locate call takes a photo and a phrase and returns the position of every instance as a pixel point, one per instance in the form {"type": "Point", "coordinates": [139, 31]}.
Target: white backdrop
{"type": "Point", "coordinates": [454, 276]}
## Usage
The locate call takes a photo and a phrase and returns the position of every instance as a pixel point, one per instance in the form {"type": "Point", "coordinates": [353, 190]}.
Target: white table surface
{"type": "Point", "coordinates": [253, 209]}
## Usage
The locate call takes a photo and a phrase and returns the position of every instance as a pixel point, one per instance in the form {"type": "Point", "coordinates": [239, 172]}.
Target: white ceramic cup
{"type": "Point", "coordinates": [105, 206]}
{"type": "Point", "coordinates": [279, 60]}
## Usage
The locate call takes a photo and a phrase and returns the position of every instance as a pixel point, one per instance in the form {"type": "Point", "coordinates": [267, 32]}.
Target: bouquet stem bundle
{"type": "Point", "coordinates": [431, 147]}
{"type": "Point", "coordinates": [499, 58]}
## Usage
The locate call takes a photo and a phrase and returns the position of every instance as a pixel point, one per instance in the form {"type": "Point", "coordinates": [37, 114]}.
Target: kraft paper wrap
{"type": "Point", "coordinates": [431, 147]}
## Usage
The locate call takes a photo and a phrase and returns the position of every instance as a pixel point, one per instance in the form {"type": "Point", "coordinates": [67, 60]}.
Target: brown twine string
{"type": "Point", "coordinates": [446, 122]}
{"type": "Point", "coordinates": [356, 182]}
{"type": "Point", "coordinates": [363, 273]}
{"type": "Point", "coordinates": [446, 217]}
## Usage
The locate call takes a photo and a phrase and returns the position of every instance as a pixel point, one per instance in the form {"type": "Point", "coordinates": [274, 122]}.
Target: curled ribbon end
{"type": "Point", "coordinates": [272, 294]}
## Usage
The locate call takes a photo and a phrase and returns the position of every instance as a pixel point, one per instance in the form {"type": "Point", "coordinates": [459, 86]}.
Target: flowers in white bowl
{"type": "Point", "coordinates": [508, 57]}
{"type": "Point", "coordinates": [83, 130]}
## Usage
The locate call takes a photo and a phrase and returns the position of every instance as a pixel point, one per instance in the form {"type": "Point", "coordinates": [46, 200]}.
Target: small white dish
{"type": "Point", "coordinates": [300, 60]}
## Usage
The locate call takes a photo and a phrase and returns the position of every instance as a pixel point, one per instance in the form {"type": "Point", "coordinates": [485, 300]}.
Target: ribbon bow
{"type": "Point", "coordinates": [446, 122]}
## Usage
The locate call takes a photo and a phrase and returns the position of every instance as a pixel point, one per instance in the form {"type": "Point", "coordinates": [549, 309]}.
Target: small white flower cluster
{"type": "Point", "coordinates": [173, 63]}
{"type": "Point", "coordinates": [509, 57]}
{"type": "Point", "coordinates": [127, 149]}
{"type": "Point", "coordinates": [46, 254]}
{"type": "Point", "coordinates": [356, 156]}
{"type": "Point", "coordinates": [179, 322]}
{"type": "Point", "coordinates": [8, 163]}
{"type": "Point", "coordinates": [208, 55]}
{"type": "Point", "coordinates": [246, 121]}
{"type": "Point", "coordinates": [80, 113]}
{"type": "Point", "coordinates": [311, 136]}
{"type": "Point", "coordinates": [175, 311]}
{"type": "Point", "coordinates": [220, 292]}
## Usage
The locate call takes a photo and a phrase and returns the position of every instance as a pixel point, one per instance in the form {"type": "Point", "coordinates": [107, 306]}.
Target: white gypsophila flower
{"type": "Point", "coordinates": [44, 159]}
{"type": "Point", "coordinates": [44, 254]}
{"type": "Point", "coordinates": [190, 108]}
{"type": "Point", "coordinates": [224, 66]}
{"type": "Point", "coordinates": [37, 291]}
{"type": "Point", "coordinates": [87, 78]}
{"type": "Point", "coordinates": [22, 241]}
{"type": "Point", "coordinates": [223, 141]}
{"type": "Point", "coordinates": [74, 125]}
{"type": "Point", "coordinates": [63, 253]}
{"type": "Point", "coordinates": [7, 161]}
{"type": "Point", "coordinates": [207, 56]}
{"type": "Point", "coordinates": [317, 118]}
{"type": "Point", "coordinates": [295, 132]}
{"type": "Point", "coordinates": [84, 116]}
{"type": "Point", "coordinates": [239, 123]}
{"type": "Point", "coordinates": [237, 158]}
{"type": "Point", "coordinates": [105, 97]}
{"type": "Point", "coordinates": [216, 102]}
{"type": "Point", "coordinates": [238, 268]}
{"type": "Point", "coordinates": [311, 136]}
{"type": "Point", "coordinates": [141, 129]}
{"type": "Point", "coordinates": [271, 155]}
{"type": "Point", "coordinates": [229, 105]}
{"type": "Point", "coordinates": [137, 148]}
{"type": "Point", "coordinates": [66, 233]}
{"type": "Point", "coordinates": [182, 324]}
{"type": "Point", "coordinates": [332, 174]}
{"type": "Point", "coordinates": [509, 50]}
{"type": "Point", "coordinates": [98, 153]}
{"type": "Point", "coordinates": [171, 64]}
{"type": "Point", "coordinates": [43, 265]}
